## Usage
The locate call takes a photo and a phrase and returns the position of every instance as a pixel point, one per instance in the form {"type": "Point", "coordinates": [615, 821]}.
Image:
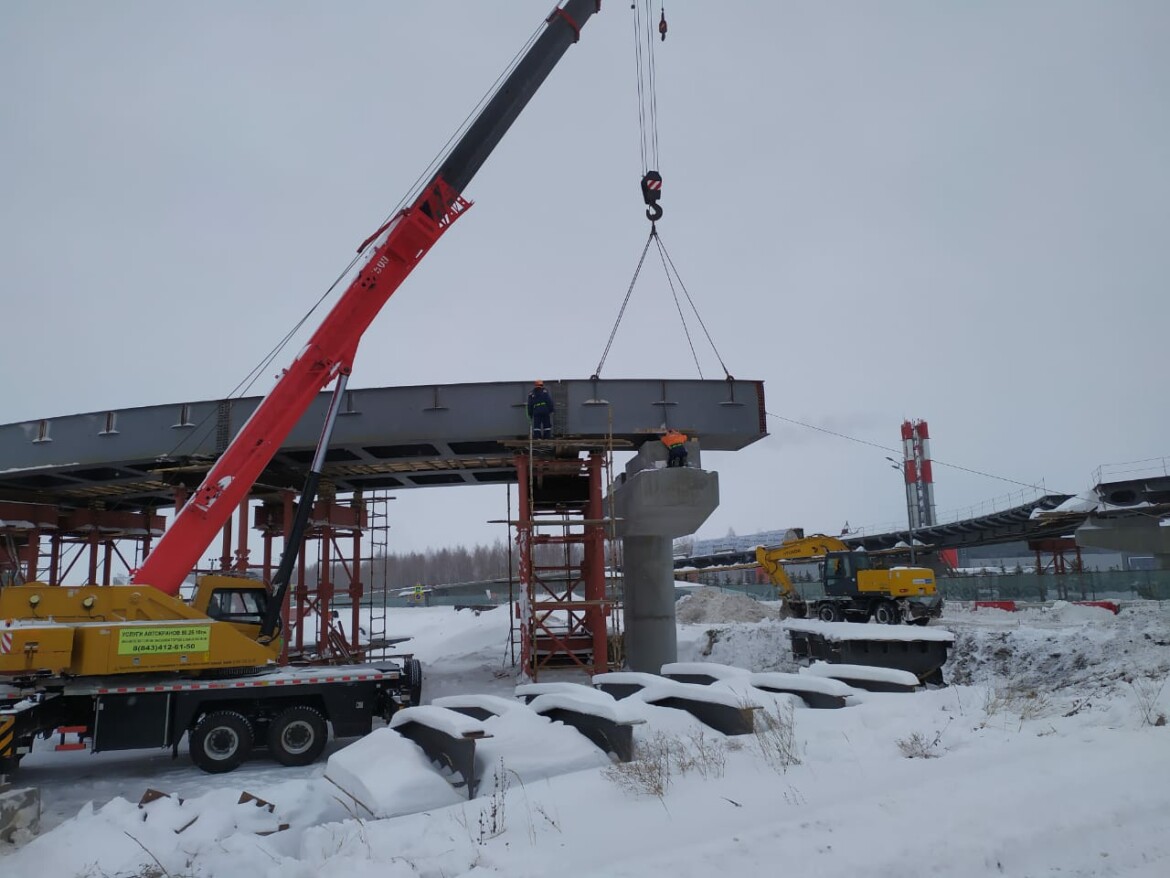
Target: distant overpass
{"type": "Point", "coordinates": [1034, 519]}
{"type": "Point", "coordinates": [1127, 510]}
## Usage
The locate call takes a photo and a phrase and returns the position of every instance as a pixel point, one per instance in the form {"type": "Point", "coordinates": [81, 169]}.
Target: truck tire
{"type": "Point", "coordinates": [828, 612]}
{"type": "Point", "coordinates": [221, 741]}
{"type": "Point", "coordinates": [887, 613]}
{"type": "Point", "coordinates": [297, 736]}
{"type": "Point", "coordinates": [414, 679]}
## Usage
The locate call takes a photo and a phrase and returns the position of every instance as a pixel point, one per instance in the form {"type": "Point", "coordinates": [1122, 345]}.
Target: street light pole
{"type": "Point", "coordinates": [901, 467]}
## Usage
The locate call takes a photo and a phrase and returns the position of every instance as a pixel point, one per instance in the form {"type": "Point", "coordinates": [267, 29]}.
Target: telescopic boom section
{"type": "Point", "coordinates": [396, 250]}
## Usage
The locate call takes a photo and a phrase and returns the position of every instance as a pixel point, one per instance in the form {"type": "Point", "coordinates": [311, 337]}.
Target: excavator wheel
{"type": "Point", "coordinates": [297, 736]}
{"type": "Point", "coordinates": [829, 612]}
{"type": "Point", "coordinates": [221, 741]}
{"type": "Point", "coordinates": [887, 613]}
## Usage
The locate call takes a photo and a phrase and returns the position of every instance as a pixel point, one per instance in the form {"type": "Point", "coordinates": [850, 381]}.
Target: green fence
{"type": "Point", "coordinates": [1096, 585]}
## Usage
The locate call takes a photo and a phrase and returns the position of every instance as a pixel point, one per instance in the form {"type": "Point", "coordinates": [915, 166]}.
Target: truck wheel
{"type": "Point", "coordinates": [221, 741]}
{"type": "Point", "coordinates": [297, 736]}
{"type": "Point", "coordinates": [887, 613]}
{"type": "Point", "coordinates": [414, 679]}
{"type": "Point", "coordinates": [829, 613]}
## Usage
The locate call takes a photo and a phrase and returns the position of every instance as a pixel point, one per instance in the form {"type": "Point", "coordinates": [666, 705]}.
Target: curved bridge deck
{"type": "Point", "coordinates": [386, 437]}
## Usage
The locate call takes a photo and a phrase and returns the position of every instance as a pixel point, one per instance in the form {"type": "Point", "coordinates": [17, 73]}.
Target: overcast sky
{"type": "Point", "coordinates": [954, 211]}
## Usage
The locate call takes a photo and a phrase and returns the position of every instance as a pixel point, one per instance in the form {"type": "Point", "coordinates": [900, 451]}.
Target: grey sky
{"type": "Point", "coordinates": [954, 211]}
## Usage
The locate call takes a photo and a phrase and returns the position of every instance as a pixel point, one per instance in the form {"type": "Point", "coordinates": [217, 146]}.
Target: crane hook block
{"type": "Point", "coordinates": [651, 192]}
{"type": "Point", "coordinates": [662, 25]}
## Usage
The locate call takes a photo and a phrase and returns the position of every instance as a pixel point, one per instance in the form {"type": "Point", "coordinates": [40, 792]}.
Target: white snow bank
{"type": "Point", "coordinates": [712, 605]}
{"type": "Point", "coordinates": [494, 704]}
{"type": "Point", "coordinates": [1066, 611]}
{"type": "Point", "coordinates": [861, 672]}
{"type": "Point", "coordinates": [530, 747]}
{"type": "Point", "coordinates": [388, 775]}
{"type": "Point", "coordinates": [440, 719]}
{"type": "Point", "coordinates": [709, 669]}
{"type": "Point", "coordinates": [801, 682]}
{"type": "Point", "coordinates": [564, 701]}
{"type": "Point", "coordinates": [691, 691]}
{"type": "Point", "coordinates": [120, 834]}
{"type": "Point", "coordinates": [577, 690]}
{"type": "Point", "coordinates": [869, 631]}
{"type": "Point", "coordinates": [628, 678]}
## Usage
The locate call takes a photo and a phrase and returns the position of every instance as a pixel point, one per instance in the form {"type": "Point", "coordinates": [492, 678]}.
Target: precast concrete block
{"type": "Point", "coordinates": [670, 502]}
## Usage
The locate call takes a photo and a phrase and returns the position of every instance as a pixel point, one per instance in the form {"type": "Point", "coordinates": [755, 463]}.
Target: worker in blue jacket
{"type": "Point", "coordinates": [540, 411]}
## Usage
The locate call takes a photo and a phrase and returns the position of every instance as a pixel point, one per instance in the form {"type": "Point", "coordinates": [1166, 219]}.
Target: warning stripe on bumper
{"type": "Point", "coordinates": [7, 734]}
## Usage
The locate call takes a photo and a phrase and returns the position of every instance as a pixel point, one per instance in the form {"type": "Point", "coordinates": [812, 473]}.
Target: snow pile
{"type": "Point", "coordinates": [713, 670]}
{"type": "Point", "coordinates": [1049, 707]}
{"type": "Point", "coordinates": [866, 673]}
{"type": "Point", "coordinates": [1059, 649]}
{"type": "Point", "coordinates": [386, 775]}
{"type": "Point", "coordinates": [1064, 611]}
{"type": "Point", "coordinates": [712, 605]}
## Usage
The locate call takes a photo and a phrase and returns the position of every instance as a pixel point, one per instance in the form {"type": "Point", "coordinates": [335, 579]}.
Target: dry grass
{"type": "Point", "coordinates": [775, 738]}
{"type": "Point", "coordinates": [1148, 691]}
{"type": "Point", "coordinates": [1016, 700]}
{"type": "Point", "coordinates": [918, 746]}
{"type": "Point", "coordinates": [662, 758]}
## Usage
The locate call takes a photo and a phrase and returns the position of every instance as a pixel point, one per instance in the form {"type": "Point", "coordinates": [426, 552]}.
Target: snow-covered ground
{"type": "Point", "coordinates": [1043, 757]}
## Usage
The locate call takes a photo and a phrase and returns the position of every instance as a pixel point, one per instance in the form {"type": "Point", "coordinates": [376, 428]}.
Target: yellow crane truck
{"type": "Point", "coordinates": [854, 588]}
{"type": "Point", "coordinates": [130, 666]}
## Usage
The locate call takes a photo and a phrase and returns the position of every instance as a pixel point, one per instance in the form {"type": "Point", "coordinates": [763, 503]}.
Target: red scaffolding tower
{"type": "Point", "coordinates": [564, 614]}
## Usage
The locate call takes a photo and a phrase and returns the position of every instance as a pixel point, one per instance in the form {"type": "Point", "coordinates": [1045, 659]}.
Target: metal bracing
{"type": "Point", "coordinates": [333, 543]}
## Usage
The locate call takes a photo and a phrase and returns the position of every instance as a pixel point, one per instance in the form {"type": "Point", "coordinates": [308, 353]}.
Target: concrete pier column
{"type": "Point", "coordinates": [654, 505]}
{"type": "Point", "coordinates": [650, 625]}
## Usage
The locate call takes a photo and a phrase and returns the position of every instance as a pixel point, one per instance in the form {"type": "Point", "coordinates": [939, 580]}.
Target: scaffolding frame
{"type": "Point", "coordinates": [563, 614]}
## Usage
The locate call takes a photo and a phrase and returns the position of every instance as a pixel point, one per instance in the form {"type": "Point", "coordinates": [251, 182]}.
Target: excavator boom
{"type": "Point", "coordinates": [803, 549]}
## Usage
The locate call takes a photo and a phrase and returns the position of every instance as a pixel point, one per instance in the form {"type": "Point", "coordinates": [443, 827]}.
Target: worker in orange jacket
{"type": "Point", "coordinates": [676, 444]}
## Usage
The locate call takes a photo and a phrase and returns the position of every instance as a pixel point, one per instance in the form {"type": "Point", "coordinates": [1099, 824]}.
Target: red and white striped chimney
{"type": "Point", "coordinates": [919, 475]}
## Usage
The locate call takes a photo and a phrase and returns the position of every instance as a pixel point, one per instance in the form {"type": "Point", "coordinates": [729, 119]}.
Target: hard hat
{"type": "Point", "coordinates": [538, 383]}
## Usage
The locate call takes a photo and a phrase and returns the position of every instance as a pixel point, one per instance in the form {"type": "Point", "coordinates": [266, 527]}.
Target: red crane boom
{"type": "Point", "coordinates": [394, 252]}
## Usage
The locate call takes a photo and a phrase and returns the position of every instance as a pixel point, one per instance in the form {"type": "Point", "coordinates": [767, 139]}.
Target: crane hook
{"type": "Point", "coordinates": [662, 25]}
{"type": "Point", "coordinates": [651, 192]}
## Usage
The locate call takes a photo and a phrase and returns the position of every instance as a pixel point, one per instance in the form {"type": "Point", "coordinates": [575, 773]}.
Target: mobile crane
{"type": "Point", "coordinates": [135, 666]}
{"type": "Point", "coordinates": [854, 589]}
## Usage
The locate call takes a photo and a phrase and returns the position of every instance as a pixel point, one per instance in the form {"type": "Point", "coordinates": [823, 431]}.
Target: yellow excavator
{"type": "Point", "coordinates": [855, 589]}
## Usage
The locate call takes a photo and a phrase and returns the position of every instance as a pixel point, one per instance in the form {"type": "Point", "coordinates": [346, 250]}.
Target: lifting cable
{"type": "Point", "coordinates": [672, 276]}
{"type": "Point", "coordinates": [644, 29]}
{"type": "Point", "coordinates": [668, 267]}
{"type": "Point", "coordinates": [648, 103]}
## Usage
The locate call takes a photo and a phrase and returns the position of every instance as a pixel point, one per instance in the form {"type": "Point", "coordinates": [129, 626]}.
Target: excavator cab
{"type": "Point", "coordinates": [841, 569]}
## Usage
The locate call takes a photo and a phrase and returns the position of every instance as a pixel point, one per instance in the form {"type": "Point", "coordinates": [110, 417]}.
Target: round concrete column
{"type": "Point", "coordinates": [651, 635]}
